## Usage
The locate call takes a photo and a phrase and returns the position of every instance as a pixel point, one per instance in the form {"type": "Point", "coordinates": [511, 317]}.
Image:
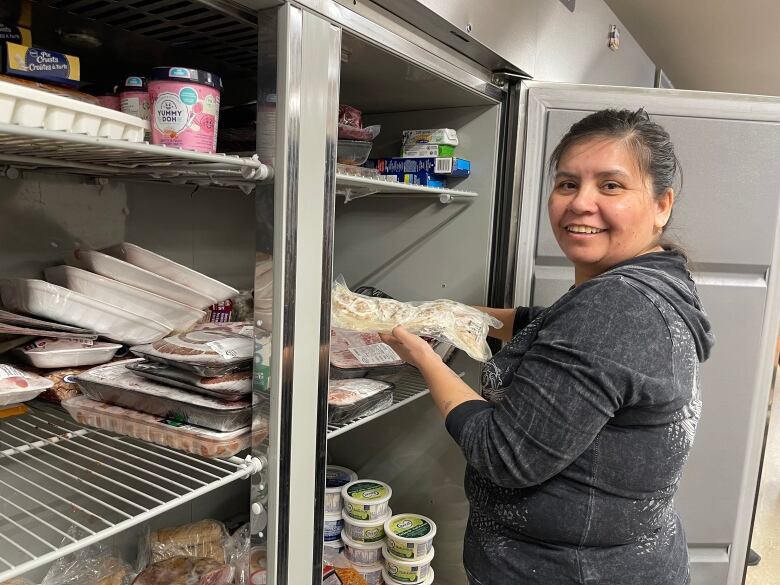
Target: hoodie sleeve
{"type": "Point", "coordinates": [523, 316]}
{"type": "Point", "coordinates": [586, 363]}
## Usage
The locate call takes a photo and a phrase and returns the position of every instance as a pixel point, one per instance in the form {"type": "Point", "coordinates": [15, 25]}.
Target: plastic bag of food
{"type": "Point", "coordinates": [464, 327]}
{"type": "Point", "coordinates": [203, 539]}
{"type": "Point", "coordinates": [211, 349]}
{"type": "Point", "coordinates": [349, 116]}
{"type": "Point", "coordinates": [351, 133]}
{"type": "Point", "coordinates": [19, 386]}
{"type": "Point", "coordinates": [348, 399]}
{"type": "Point", "coordinates": [184, 570]}
{"type": "Point", "coordinates": [242, 555]}
{"type": "Point", "coordinates": [357, 354]}
{"type": "Point", "coordinates": [64, 384]}
{"type": "Point", "coordinates": [93, 565]}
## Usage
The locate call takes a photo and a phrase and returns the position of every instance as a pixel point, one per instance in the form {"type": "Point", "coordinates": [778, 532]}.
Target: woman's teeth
{"type": "Point", "coordinates": [584, 229]}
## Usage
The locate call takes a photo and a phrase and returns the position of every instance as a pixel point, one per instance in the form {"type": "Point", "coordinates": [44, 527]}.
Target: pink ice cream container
{"type": "Point", "coordinates": [134, 97]}
{"type": "Point", "coordinates": [185, 108]}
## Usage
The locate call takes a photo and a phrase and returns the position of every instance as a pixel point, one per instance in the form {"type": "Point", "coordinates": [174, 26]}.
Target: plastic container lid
{"type": "Point", "coordinates": [389, 580]}
{"type": "Point", "coordinates": [336, 477]}
{"type": "Point", "coordinates": [411, 527]}
{"type": "Point", "coordinates": [391, 558]}
{"type": "Point", "coordinates": [367, 491]}
{"type": "Point", "coordinates": [367, 523]}
{"type": "Point", "coordinates": [134, 83]}
{"type": "Point", "coordinates": [361, 545]}
{"type": "Point", "coordinates": [186, 74]}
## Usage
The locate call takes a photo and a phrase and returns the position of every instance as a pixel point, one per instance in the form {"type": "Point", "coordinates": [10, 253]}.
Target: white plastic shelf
{"type": "Point", "coordinates": [64, 487]}
{"type": "Point", "coordinates": [24, 147]}
{"type": "Point", "coordinates": [356, 187]}
{"type": "Point", "coordinates": [408, 389]}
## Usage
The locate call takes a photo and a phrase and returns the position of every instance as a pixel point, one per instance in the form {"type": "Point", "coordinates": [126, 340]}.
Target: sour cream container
{"type": "Point", "coordinates": [336, 545]}
{"type": "Point", "coordinates": [413, 571]}
{"type": "Point", "coordinates": [185, 108]}
{"type": "Point", "coordinates": [335, 478]}
{"type": "Point", "coordinates": [334, 524]}
{"type": "Point", "coordinates": [410, 536]}
{"type": "Point", "coordinates": [366, 499]}
{"type": "Point", "coordinates": [134, 97]}
{"type": "Point", "coordinates": [390, 581]}
{"type": "Point", "coordinates": [362, 553]}
{"type": "Point", "coordinates": [366, 531]}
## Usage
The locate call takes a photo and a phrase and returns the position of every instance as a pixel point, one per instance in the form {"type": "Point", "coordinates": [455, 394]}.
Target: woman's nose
{"type": "Point", "coordinates": [584, 201]}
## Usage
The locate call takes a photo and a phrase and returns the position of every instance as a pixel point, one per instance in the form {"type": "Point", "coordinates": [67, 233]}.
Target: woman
{"type": "Point", "coordinates": [576, 450]}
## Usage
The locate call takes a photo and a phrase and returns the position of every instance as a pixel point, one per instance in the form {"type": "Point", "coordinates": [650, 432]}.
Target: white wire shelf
{"type": "Point", "coordinates": [37, 148]}
{"type": "Point", "coordinates": [64, 487]}
{"type": "Point", "coordinates": [355, 187]}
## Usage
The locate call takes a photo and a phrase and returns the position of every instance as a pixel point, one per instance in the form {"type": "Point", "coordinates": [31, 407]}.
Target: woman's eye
{"type": "Point", "coordinates": [610, 186]}
{"type": "Point", "coordinates": [566, 185]}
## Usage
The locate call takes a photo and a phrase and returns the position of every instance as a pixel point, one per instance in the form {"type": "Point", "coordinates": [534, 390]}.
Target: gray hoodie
{"type": "Point", "coordinates": [592, 409]}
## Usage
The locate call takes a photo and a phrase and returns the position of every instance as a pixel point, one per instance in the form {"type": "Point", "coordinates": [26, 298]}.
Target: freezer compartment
{"type": "Point", "coordinates": [116, 384]}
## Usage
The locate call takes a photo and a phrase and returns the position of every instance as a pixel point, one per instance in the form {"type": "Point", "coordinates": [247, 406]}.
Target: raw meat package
{"type": "Point", "coordinates": [66, 353]}
{"type": "Point", "coordinates": [348, 399]}
{"type": "Point", "coordinates": [206, 538]}
{"type": "Point", "coordinates": [212, 349]}
{"type": "Point", "coordinates": [353, 354]}
{"type": "Point", "coordinates": [148, 427]}
{"type": "Point", "coordinates": [115, 384]}
{"type": "Point", "coordinates": [186, 571]}
{"type": "Point", "coordinates": [233, 386]}
{"type": "Point", "coordinates": [464, 327]}
{"type": "Point", "coordinates": [64, 384]}
{"type": "Point", "coordinates": [19, 386]}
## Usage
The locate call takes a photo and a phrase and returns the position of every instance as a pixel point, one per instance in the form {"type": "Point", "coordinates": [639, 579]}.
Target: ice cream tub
{"type": "Point", "coordinates": [366, 499]}
{"type": "Point", "coordinates": [334, 524]}
{"type": "Point", "coordinates": [362, 553]}
{"type": "Point", "coordinates": [410, 536]}
{"type": "Point", "coordinates": [335, 478]}
{"type": "Point", "coordinates": [428, 581]}
{"type": "Point", "coordinates": [367, 531]}
{"type": "Point", "coordinates": [413, 571]}
{"type": "Point", "coordinates": [134, 97]}
{"type": "Point", "coordinates": [185, 108]}
{"type": "Point", "coordinates": [372, 573]}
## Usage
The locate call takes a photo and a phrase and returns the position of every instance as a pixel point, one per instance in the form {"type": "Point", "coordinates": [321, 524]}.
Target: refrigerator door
{"type": "Point", "coordinates": [726, 217]}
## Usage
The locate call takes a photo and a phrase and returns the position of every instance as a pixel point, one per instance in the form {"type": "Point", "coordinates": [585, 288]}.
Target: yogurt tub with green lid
{"type": "Point", "coordinates": [362, 553]}
{"type": "Point", "coordinates": [390, 581]}
{"type": "Point", "coordinates": [372, 574]}
{"type": "Point", "coordinates": [336, 477]}
{"type": "Point", "coordinates": [408, 571]}
{"type": "Point", "coordinates": [410, 536]}
{"type": "Point", "coordinates": [365, 530]}
{"type": "Point", "coordinates": [366, 499]}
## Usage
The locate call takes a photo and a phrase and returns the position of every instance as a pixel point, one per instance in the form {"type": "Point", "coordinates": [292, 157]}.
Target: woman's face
{"type": "Point", "coordinates": [602, 209]}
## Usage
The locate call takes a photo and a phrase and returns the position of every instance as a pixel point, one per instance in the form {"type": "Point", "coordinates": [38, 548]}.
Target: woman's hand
{"type": "Point", "coordinates": [410, 347]}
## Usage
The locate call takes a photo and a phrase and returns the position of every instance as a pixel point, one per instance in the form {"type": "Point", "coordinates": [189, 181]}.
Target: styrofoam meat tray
{"type": "Point", "coordinates": [171, 270]}
{"type": "Point", "coordinates": [67, 354]}
{"type": "Point", "coordinates": [174, 314]}
{"type": "Point", "coordinates": [115, 384]}
{"type": "Point", "coordinates": [122, 271]}
{"type": "Point", "coordinates": [34, 108]}
{"type": "Point", "coordinates": [50, 301]}
{"type": "Point", "coordinates": [148, 427]}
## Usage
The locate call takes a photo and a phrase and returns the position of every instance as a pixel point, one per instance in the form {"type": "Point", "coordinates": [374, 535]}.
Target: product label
{"type": "Point", "coordinates": [407, 575]}
{"type": "Point", "coordinates": [171, 115]}
{"type": "Point", "coordinates": [357, 511]}
{"type": "Point", "coordinates": [336, 477]}
{"type": "Point", "coordinates": [7, 371]}
{"type": "Point", "coordinates": [373, 534]}
{"type": "Point", "coordinates": [40, 60]}
{"type": "Point", "coordinates": [410, 527]}
{"type": "Point", "coordinates": [374, 354]}
{"type": "Point", "coordinates": [232, 348]}
{"type": "Point", "coordinates": [247, 331]}
{"type": "Point", "coordinates": [400, 549]}
{"type": "Point", "coordinates": [367, 491]}
{"type": "Point", "coordinates": [134, 82]}
{"type": "Point", "coordinates": [135, 104]}
{"type": "Point", "coordinates": [181, 72]}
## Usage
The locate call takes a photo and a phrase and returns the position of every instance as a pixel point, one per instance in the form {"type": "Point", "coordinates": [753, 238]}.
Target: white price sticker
{"type": "Point", "coordinates": [7, 371]}
{"type": "Point", "coordinates": [375, 354]}
{"type": "Point", "coordinates": [233, 347]}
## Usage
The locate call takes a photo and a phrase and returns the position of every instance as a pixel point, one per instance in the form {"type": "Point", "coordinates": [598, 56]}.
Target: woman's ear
{"type": "Point", "coordinates": [663, 208]}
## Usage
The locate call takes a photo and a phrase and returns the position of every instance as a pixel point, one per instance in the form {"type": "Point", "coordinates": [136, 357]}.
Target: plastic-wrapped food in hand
{"type": "Point", "coordinates": [461, 325]}
{"type": "Point", "coordinates": [183, 570]}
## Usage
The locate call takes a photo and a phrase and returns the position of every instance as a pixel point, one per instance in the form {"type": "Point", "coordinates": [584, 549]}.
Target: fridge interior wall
{"type": "Point", "coordinates": [210, 230]}
{"type": "Point", "coordinates": [416, 248]}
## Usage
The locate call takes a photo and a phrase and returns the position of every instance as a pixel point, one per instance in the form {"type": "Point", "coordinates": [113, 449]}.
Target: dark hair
{"type": "Point", "coordinates": [650, 143]}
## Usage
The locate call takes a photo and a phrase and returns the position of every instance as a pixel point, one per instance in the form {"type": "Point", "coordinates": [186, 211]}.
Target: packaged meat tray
{"type": "Point", "coordinates": [357, 354]}
{"type": "Point", "coordinates": [66, 353]}
{"type": "Point", "coordinates": [64, 384]}
{"type": "Point", "coordinates": [19, 386]}
{"type": "Point", "coordinates": [147, 427]}
{"type": "Point", "coordinates": [115, 384]}
{"type": "Point", "coordinates": [348, 399]}
{"type": "Point", "coordinates": [213, 349]}
{"type": "Point", "coordinates": [186, 571]}
{"type": "Point", "coordinates": [233, 386]}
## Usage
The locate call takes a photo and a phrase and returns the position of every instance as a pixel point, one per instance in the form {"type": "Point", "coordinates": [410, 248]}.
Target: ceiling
{"type": "Point", "coordinates": [720, 45]}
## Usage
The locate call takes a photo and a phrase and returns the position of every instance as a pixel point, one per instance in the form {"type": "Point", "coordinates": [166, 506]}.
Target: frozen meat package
{"type": "Point", "coordinates": [464, 327]}
{"type": "Point", "coordinates": [186, 571]}
{"type": "Point", "coordinates": [19, 386]}
{"type": "Point", "coordinates": [348, 399]}
{"type": "Point", "coordinates": [233, 386]}
{"type": "Point", "coordinates": [66, 353]}
{"type": "Point", "coordinates": [212, 349]}
{"type": "Point", "coordinates": [204, 538]}
{"type": "Point", "coordinates": [115, 384]}
{"type": "Point", "coordinates": [357, 354]}
{"type": "Point", "coordinates": [153, 429]}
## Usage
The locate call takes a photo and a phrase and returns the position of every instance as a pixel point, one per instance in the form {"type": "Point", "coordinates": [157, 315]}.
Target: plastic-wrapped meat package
{"type": "Point", "coordinates": [351, 125]}
{"type": "Point", "coordinates": [19, 386]}
{"type": "Point", "coordinates": [464, 327]}
{"type": "Point", "coordinates": [186, 571]}
{"type": "Point", "coordinates": [205, 538]}
{"type": "Point", "coordinates": [212, 349]}
{"type": "Point", "coordinates": [153, 429]}
{"type": "Point", "coordinates": [115, 384]}
{"type": "Point", "coordinates": [64, 384]}
{"type": "Point", "coordinates": [94, 565]}
{"type": "Point", "coordinates": [233, 386]}
{"type": "Point", "coordinates": [348, 399]}
{"type": "Point", "coordinates": [357, 354]}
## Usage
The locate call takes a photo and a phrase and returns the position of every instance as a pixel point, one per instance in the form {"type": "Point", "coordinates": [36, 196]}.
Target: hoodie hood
{"type": "Point", "coordinates": [667, 274]}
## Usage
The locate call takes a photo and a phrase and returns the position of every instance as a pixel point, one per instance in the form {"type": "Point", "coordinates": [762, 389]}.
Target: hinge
{"type": "Point", "coordinates": [501, 78]}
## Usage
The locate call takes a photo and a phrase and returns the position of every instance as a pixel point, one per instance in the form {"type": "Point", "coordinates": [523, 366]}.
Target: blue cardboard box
{"type": "Point", "coordinates": [449, 166]}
